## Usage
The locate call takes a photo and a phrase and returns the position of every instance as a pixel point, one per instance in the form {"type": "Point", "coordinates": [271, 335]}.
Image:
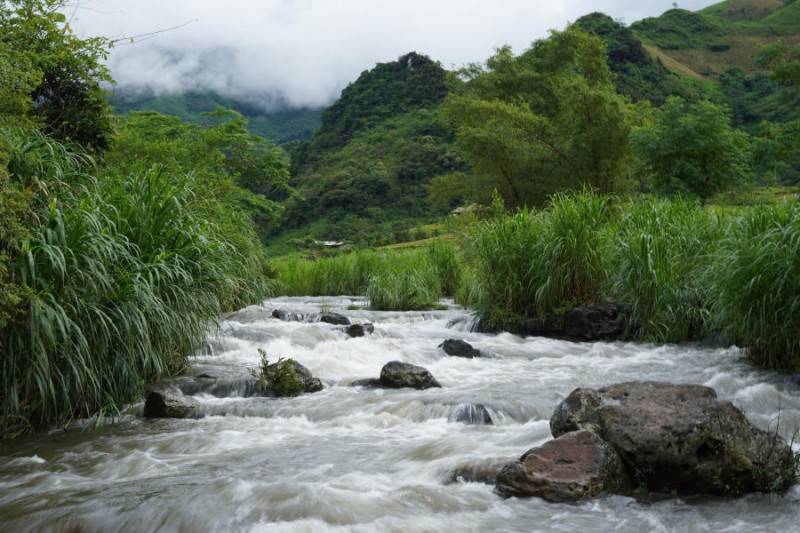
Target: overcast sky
{"type": "Point", "coordinates": [306, 51]}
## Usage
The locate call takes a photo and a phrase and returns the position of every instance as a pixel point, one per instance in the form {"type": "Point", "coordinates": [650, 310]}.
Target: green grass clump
{"type": "Point", "coordinates": [532, 263]}
{"type": "Point", "coordinates": [123, 278]}
{"type": "Point", "coordinates": [659, 252]}
{"type": "Point", "coordinates": [757, 285]}
{"type": "Point", "coordinates": [404, 290]}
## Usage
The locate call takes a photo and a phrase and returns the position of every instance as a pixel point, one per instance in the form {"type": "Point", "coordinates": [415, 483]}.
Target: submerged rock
{"type": "Point", "coordinates": [459, 348]}
{"type": "Point", "coordinates": [473, 413]}
{"type": "Point", "coordinates": [398, 375]}
{"type": "Point", "coordinates": [680, 438]}
{"type": "Point", "coordinates": [573, 467]}
{"type": "Point", "coordinates": [360, 330]}
{"type": "Point", "coordinates": [368, 382]}
{"type": "Point", "coordinates": [477, 472]}
{"type": "Point", "coordinates": [170, 402]}
{"type": "Point", "coordinates": [288, 316]}
{"type": "Point", "coordinates": [334, 318]}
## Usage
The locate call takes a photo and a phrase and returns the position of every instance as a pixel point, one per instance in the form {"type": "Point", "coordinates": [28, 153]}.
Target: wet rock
{"type": "Point", "coordinates": [477, 472]}
{"type": "Point", "coordinates": [608, 321]}
{"type": "Point", "coordinates": [360, 330]}
{"type": "Point", "coordinates": [287, 316]}
{"type": "Point", "coordinates": [287, 377]}
{"type": "Point", "coordinates": [573, 467]}
{"type": "Point", "coordinates": [368, 383]}
{"type": "Point", "coordinates": [473, 413]}
{"type": "Point", "coordinates": [170, 402]}
{"type": "Point", "coordinates": [334, 318]}
{"type": "Point", "coordinates": [397, 375]}
{"type": "Point", "coordinates": [244, 386]}
{"type": "Point", "coordinates": [680, 438]}
{"type": "Point", "coordinates": [597, 322]}
{"type": "Point", "coordinates": [549, 326]}
{"type": "Point", "coordinates": [459, 348]}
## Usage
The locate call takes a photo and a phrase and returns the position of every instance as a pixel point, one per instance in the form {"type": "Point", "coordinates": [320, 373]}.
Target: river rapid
{"type": "Point", "coordinates": [355, 459]}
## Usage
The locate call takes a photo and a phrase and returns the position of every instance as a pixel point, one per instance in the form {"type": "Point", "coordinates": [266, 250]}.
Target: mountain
{"type": "Point", "coordinates": [364, 172]}
{"type": "Point", "coordinates": [281, 125]}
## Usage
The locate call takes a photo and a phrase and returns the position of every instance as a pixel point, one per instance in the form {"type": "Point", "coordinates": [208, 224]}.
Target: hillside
{"type": "Point", "coordinates": [723, 36]}
{"type": "Point", "coordinates": [280, 125]}
{"type": "Point", "coordinates": [363, 174]}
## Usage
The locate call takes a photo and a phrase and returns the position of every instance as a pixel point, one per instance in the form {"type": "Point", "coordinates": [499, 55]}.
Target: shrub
{"type": "Point", "coordinates": [404, 290]}
{"type": "Point", "coordinates": [757, 285]}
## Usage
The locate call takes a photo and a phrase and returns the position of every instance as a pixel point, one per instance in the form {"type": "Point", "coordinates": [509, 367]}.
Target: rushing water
{"type": "Point", "coordinates": [354, 459]}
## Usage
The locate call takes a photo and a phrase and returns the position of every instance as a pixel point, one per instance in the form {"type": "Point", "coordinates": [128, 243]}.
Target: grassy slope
{"type": "Point", "coordinates": [725, 35]}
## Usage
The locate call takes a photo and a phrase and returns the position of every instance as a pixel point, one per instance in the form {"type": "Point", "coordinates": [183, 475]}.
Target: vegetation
{"type": "Point", "coordinates": [545, 121]}
{"type": "Point", "coordinates": [279, 378]}
{"type": "Point", "coordinates": [692, 148]}
{"type": "Point", "coordinates": [113, 268]}
{"type": "Point", "coordinates": [757, 285]}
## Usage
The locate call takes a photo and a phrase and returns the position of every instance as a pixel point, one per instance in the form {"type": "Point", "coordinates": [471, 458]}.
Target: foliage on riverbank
{"type": "Point", "coordinates": [113, 267]}
{"type": "Point", "coordinates": [687, 270]}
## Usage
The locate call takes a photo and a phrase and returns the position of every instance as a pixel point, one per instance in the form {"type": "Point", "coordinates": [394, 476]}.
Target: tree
{"type": "Point", "coordinates": [545, 121]}
{"type": "Point", "coordinates": [783, 61]}
{"type": "Point", "coordinates": [692, 148]}
{"type": "Point", "coordinates": [69, 101]}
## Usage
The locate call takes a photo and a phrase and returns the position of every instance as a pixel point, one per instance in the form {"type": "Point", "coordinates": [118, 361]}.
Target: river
{"type": "Point", "coordinates": [355, 459]}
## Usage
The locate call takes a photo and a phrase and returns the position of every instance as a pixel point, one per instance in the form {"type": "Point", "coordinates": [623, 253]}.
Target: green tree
{"type": "Point", "coordinates": [692, 148]}
{"type": "Point", "coordinates": [783, 60]}
{"type": "Point", "coordinates": [545, 121]}
{"type": "Point", "coordinates": [70, 102]}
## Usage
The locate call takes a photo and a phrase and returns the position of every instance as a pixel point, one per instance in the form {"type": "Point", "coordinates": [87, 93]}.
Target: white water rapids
{"type": "Point", "coordinates": [355, 459]}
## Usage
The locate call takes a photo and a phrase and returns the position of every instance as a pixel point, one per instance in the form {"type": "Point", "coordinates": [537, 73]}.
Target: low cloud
{"type": "Point", "coordinates": [303, 52]}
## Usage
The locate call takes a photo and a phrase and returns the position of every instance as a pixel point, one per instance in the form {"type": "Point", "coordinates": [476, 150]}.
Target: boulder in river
{"type": "Point", "coordinates": [287, 316]}
{"type": "Point", "coordinates": [286, 377]}
{"type": "Point", "coordinates": [472, 413]}
{"type": "Point", "coordinates": [170, 402]}
{"type": "Point", "coordinates": [334, 318]}
{"type": "Point", "coordinates": [359, 330]}
{"type": "Point", "coordinates": [459, 348]}
{"type": "Point", "coordinates": [680, 438]}
{"type": "Point", "coordinates": [398, 375]}
{"type": "Point", "coordinates": [573, 467]}
{"type": "Point", "coordinates": [597, 322]}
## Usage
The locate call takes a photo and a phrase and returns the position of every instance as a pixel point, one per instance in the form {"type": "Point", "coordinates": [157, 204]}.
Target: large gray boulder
{"type": "Point", "coordinates": [398, 375]}
{"type": "Point", "coordinates": [359, 330]}
{"type": "Point", "coordinates": [680, 438]}
{"type": "Point", "coordinates": [170, 402]}
{"type": "Point", "coordinates": [334, 318]}
{"type": "Point", "coordinates": [573, 467]}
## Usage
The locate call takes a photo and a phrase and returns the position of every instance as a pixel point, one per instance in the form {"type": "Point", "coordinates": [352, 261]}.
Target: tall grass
{"type": "Point", "coordinates": [533, 263]}
{"type": "Point", "coordinates": [391, 279]}
{"type": "Point", "coordinates": [659, 255]}
{"type": "Point", "coordinates": [757, 285]}
{"type": "Point", "coordinates": [123, 279]}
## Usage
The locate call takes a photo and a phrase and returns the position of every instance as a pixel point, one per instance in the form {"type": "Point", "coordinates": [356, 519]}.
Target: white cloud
{"type": "Point", "coordinates": [305, 51]}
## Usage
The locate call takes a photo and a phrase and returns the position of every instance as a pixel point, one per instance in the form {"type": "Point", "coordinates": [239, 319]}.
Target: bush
{"type": "Point", "coordinates": [757, 285]}
{"type": "Point", "coordinates": [534, 263]}
{"type": "Point", "coordinates": [659, 254]}
{"type": "Point", "coordinates": [278, 378]}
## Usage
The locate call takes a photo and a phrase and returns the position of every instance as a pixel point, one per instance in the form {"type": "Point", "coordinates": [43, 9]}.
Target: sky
{"type": "Point", "coordinates": [304, 52]}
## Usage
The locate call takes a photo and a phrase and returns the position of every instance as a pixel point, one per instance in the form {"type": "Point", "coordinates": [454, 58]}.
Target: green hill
{"type": "Point", "coordinates": [363, 174]}
{"type": "Point", "coordinates": [280, 126]}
